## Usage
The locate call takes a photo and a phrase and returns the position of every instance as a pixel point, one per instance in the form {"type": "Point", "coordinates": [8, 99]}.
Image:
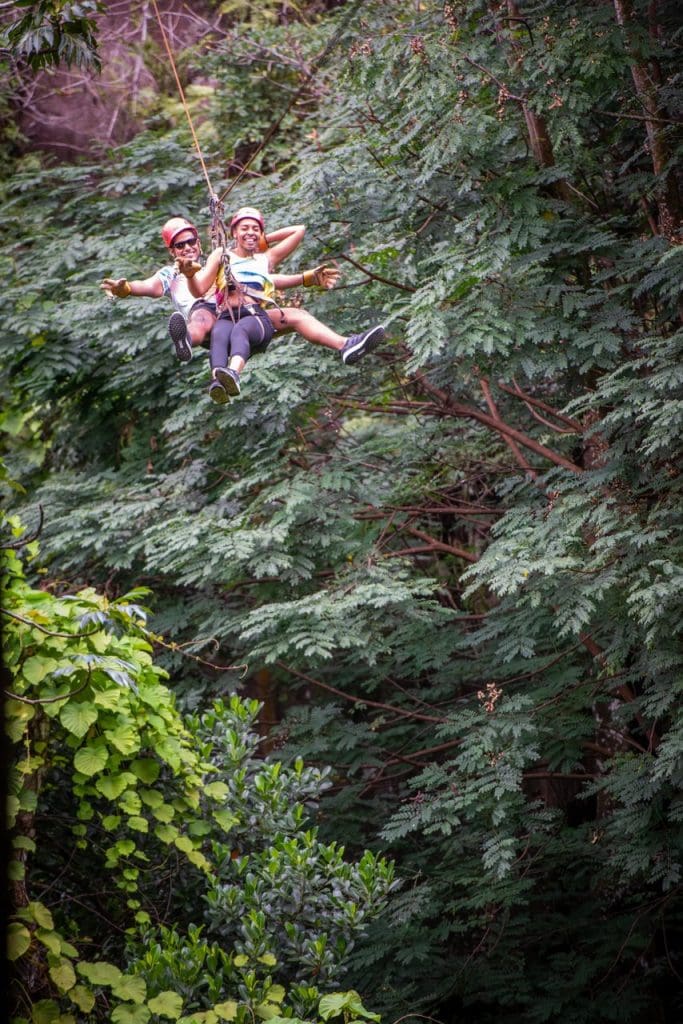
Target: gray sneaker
{"type": "Point", "coordinates": [230, 379]}
{"type": "Point", "coordinates": [359, 345]}
{"type": "Point", "coordinates": [177, 328]}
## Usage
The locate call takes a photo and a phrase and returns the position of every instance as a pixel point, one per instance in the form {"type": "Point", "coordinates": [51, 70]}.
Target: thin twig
{"type": "Point", "coordinates": [47, 700]}
{"type": "Point", "coordinates": [376, 277]}
{"type": "Point", "coordinates": [512, 445]}
{"type": "Point", "coordinates": [360, 700]}
{"type": "Point", "coordinates": [23, 541]}
{"type": "Point", "coordinates": [48, 632]}
{"type": "Point", "coordinates": [517, 392]}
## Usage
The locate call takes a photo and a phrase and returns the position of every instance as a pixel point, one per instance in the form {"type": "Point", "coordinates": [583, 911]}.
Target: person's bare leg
{"type": "Point", "coordinates": [199, 326]}
{"type": "Point", "coordinates": [292, 318]}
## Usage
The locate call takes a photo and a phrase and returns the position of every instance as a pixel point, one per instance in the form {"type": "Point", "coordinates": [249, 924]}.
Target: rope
{"type": "Point", "coordinates": [182, 97]}
{"type": "Point", "coordinates": [264, 142]}
{"type": "Point", "coordinates": [219, 234]}
{"type": "Point", "coordinates": [216, 202]}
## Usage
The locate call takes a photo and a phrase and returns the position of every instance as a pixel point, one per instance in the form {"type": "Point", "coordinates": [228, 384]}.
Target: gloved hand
{"type": "Point", "coordinates": [321, 277]}
{"type": "Point", "coordinates": [263, 243]}
{"type": "Point", "coordinates": [187, 267]}
{"type": "Point", "coordinates": [119, 287]}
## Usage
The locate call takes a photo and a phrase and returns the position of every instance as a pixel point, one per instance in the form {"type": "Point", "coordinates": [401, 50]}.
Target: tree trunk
{"type": "Point", "coordinates": [647, 81]}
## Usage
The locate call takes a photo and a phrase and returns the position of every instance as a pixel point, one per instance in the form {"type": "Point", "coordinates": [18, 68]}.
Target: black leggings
{"type": "Point", "coordinates": [251, 332]}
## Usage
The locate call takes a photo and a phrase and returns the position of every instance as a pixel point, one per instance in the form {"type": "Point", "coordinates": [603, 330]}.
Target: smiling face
{"type": "Point", "coordinates": [246, 233]}
{"type": "Point", "coordinates": [185, 246]}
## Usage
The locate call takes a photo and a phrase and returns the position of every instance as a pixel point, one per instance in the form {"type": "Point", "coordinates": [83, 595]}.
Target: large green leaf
{"type": "Point", "coordinates": [45, 1011]}
{"type": "Point", "coordinates": [130, 986]}
{"type": "Point", "coordinates": [82, 997]}
{"type": "Point", "coordinates": [125, 738]}
{"type": "Point", "coordinates": [99, 972]}
{"type": "Point", "coordinates": [77, 717]}
{"type": "Point", "coordinates": [40, 914]}
{"type": "Point", "coordinates": [63, 974]}
{"type": "Point", "coordinates": [18, 940]}
{"type": "Point", "coordinates": [146, 769]}
{"type": "Point", "coordinates": [37, 667]}
{"type": "Point", "coordinates": [130, 1013]}
{"type": "Point", "coordinates": [91, 759]}
{"type": "Point", "coordinates": [112, 786]}
{"type": "Point", "coordinates": [169, 1004]}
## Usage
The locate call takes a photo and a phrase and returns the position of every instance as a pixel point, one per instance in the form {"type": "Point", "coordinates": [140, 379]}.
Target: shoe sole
{"type": "Point", "coordinates": [229, 383]}
{"type": "Point", "coordinates": [218, 394]}
{"type": "Point", "coordinates": [177, 328]}
{"type": "Point", "coordinates": [367, 344]}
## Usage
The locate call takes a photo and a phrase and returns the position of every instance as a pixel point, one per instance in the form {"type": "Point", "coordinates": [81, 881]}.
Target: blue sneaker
{"type": "Point", "coordinates": [359, 345]}
{"type": "Point", "coordinates": [230, 379]}
{"type": "Point", "coordinates": [177, 328]}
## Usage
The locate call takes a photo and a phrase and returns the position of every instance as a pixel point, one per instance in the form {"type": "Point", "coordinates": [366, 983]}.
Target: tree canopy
{"type": "Point", "coordinates": [452, 572]}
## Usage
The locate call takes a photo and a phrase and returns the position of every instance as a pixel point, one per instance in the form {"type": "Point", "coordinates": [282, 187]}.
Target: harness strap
{"type": "Point", "coordinates": [219, 237]}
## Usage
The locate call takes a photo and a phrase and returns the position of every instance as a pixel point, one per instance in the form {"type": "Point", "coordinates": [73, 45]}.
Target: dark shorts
{"type": "Point", "coordinates": [265, 323]}
{"type": "Point", "coordinates": [202, 304]}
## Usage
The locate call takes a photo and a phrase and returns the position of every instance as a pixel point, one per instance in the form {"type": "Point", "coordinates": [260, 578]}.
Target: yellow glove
{"type": "Point", "coordinates": [321, 277]}
{"type": "Point", "coordinates": [120, 287]}
{"type": "Point", "coordinates": [188, 267]}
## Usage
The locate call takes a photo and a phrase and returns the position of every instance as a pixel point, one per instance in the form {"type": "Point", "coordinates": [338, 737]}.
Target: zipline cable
{"type": "Point", "coordinates": [216, 202]}
{"type": "Point", "coordinates": [182, 97]}
{"type": "Point", "coordinates": [219, 234]}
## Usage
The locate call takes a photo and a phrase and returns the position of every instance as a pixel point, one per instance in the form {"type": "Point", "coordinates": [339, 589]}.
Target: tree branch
{"type": "Point", "coordinates": [437, 545]}
{"type": "Point", "coordinates": [48, 632]}
{"type": "Point", "coordinates": [517, 392]}
{"type": "Point", "coordinates": [376, 277]}
{"type": "Point", "coordinates": [47, 700]}
{"type": "Point", "coordinates": [471, 412]}
{"type": "Point", "coordinates": [360, 700]}
{"type": "Point", "coordinates": [514, 447]}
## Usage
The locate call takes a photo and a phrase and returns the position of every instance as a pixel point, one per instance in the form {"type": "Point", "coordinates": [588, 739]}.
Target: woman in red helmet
{"type": "Point", "coordinates": [197, 316]}
{"type": "Point", "coordinates": [190, 325]}
{"type": "Point", "coordinates": [249, 316]}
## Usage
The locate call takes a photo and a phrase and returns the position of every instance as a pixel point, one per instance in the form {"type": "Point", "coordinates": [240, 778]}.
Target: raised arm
{"type": "Point", "coordinates": [283, 242]}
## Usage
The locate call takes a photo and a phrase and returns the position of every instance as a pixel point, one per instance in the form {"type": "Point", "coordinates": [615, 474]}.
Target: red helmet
{"type": "Point", "coordinates": [243, 213]}
{"type": "Point", "coordinates": [173, 227]}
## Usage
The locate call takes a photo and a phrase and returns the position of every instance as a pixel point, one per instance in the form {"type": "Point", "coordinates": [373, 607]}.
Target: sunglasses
{"type": "Point", "coordinates": [184, 242]}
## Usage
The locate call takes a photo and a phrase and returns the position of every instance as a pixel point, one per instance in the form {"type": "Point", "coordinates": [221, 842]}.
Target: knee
{"type": "Point", "coordinates": [197, 333]}
{"type": "Point", "coordinates": [286, 320]}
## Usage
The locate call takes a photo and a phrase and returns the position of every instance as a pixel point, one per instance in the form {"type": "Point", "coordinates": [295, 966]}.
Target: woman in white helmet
{"type": "Point", "coordinates": [248, 316]}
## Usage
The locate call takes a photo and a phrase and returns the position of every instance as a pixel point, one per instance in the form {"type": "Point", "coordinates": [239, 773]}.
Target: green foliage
{"type": "Point", "coordinates": [52, 33]}
{"type": "Point", "coordinates": [105, 765]}
{"type": "Point", "coordinates": [455, 571]}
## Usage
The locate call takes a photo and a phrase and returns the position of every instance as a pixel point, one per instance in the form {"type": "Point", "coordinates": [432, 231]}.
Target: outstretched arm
{"type": "Point", "coordinates": [320, 277]}
{"type": "Point", "coordinates": [283, 242]}
{"type": "Point", "coordinates": [121, 288]}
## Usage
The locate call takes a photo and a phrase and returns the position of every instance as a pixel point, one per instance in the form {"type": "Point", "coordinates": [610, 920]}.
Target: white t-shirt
{"type": "Point", "coordinates": [176, 287]}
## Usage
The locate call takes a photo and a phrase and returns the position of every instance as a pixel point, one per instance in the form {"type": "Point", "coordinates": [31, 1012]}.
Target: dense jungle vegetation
{"type": "Point", "coordinates": [361, 694]}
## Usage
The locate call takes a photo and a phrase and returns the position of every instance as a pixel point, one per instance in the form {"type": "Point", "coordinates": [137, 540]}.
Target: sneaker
{"type": "Point", "coordinates": [177, 328]}
{"type": "Point", "coordinates": [230, 379]}
{"type": "Point", "coordinates": [359, 344]}
{"type": "Point", "coordinates": [217, 393]}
